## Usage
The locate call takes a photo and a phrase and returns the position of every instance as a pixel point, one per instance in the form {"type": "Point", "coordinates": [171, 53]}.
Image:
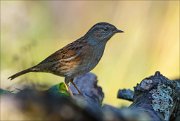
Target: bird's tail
{"type": "Point", "coordinates": [32, 69]}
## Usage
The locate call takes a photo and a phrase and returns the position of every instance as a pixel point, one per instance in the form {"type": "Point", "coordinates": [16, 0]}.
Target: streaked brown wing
{"type": "Point", "coordinates": [63, 60]}
{"type": "Point", "coordinates": [64, 53]}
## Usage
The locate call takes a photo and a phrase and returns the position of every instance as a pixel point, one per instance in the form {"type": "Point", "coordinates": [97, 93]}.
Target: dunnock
{"type": "Point", "coordinates": [78, 57]}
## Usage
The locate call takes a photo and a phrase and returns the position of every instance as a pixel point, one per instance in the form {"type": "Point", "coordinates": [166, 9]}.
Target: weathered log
{"type": "Point", "coordinates": [125, 94]}
{"type": "Point", "coordinates": [87, 84]}
{"type": "Point", "coordinates": [156, 98]}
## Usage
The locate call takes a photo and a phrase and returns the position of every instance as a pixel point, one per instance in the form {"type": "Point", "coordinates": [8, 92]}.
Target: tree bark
{"type": "Point", "coordinates": [156, 95]}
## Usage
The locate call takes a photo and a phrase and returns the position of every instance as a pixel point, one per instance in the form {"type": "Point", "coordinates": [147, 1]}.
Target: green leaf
{"type": "Point", "coordinates": [4, 92]}
{"type": "Point", "coordinates": [59, 90]}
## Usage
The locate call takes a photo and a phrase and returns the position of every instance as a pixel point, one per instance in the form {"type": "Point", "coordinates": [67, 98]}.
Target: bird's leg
{"type": "Point", "coordinates": [67, 86]}
{"type": "Point", "coordinates": [75, 86]}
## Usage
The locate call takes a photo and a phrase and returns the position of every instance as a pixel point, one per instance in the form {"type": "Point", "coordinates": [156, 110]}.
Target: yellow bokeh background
{"type": "Point", "coordinates": [32, 30]}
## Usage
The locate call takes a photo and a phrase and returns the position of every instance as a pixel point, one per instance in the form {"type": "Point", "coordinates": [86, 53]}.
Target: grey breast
{"type": "Point", "coordinates": [92, 59]}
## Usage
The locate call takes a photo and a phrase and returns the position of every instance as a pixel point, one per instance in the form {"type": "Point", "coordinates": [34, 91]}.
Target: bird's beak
{"type": "Point", "coordinates": [118, 31]}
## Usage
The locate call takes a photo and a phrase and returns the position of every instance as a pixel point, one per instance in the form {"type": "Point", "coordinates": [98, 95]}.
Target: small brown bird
{"type": "Point", "coordinates": [78, 57]}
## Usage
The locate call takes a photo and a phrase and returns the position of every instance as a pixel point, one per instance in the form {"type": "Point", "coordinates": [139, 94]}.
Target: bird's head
{"type": "Point", "coordinates": [102, 32]}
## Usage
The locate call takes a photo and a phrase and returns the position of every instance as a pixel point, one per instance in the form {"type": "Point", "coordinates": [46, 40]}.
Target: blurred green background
{"type": "Point", "coordinates": [30, 31]}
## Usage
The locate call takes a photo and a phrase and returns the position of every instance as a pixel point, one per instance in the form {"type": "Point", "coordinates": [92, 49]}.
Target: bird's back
{"type": "Point", "coordinates": [74, 59]}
